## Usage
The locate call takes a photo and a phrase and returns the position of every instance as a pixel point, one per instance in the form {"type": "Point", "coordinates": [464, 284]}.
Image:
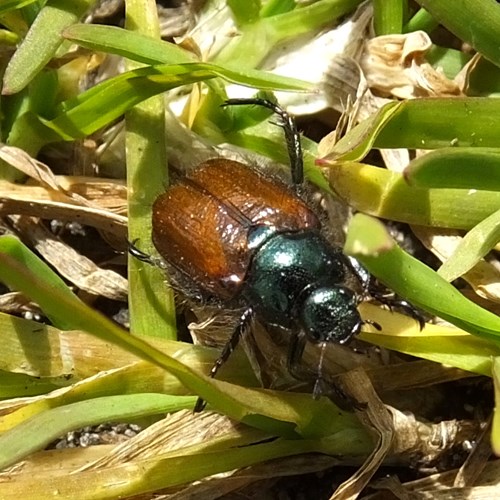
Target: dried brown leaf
{"type": "Point", "coordinates": [394, 65]}
{"type": "Point", "coordinates": [47, 203]}
{"type": "Point", "coordinates": [484, 277]}
{"type": "Point", "coordinates": [70, 264]}
{"type": "Point", "coordinates": [31, 167]}
{"type": "Point", "coordinates": [377, 420]}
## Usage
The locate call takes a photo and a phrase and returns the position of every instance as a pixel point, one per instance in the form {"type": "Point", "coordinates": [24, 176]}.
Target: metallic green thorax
{"type": "Point", "coordinates": [296, 279]}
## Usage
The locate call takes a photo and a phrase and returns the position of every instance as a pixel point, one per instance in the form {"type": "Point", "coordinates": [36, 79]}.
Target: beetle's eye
{"type": "Point", "coordinates": [329, 314]}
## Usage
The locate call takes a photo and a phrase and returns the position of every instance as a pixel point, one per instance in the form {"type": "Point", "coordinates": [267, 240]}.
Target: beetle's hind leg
{"type": "Point", "coordinates": [231, 344]}
{"type": "Point", "coordinates": [292, 136]}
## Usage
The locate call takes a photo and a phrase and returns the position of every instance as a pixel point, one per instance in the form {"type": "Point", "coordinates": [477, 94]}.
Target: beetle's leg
{"type": "Point", "coordinates": [372, 289]}
{"type": "Point", "coordinates": [292, 135]}
{"type": "Point", "coordinates": [322, 387]}
{"type": "Point", "coordinates": [363, 276]}
{"type": "Point", "coordinates": [144, 257]}
{"type": "Point", "coordinates": [230, 346]}
{"type": "Point", "coordinates": [295, 351]}
{"type": "Point", "coordinates": [139, 254]}
{"type": "Point", "coordinates": [392, 301]}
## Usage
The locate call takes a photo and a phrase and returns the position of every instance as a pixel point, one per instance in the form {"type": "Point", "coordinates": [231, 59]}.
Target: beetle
{"type": "Point", "coordinates": [251, 241]}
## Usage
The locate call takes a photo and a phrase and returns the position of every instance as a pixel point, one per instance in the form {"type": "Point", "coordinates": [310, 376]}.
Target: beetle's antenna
{"type": "Point", "coordinates": [319, 374]}
{"type": "Point", "coordinates": [292, 135]}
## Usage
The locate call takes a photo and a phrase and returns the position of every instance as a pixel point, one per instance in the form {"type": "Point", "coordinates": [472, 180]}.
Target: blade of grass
{"type": "Point", "coordinates": [449, 60]}
{"type": "Point", "coordinates": [473, 21]}
{"type": "Point", "coordinates": [257, 39]}
{"type": "Point", "coordinates": [458, 168]}
{"type": "Point", "coordinates": [388, 16]}
{"type": "Point", "coordinates": [274, 7]}
{"type": "Point", "coordinates": [441, 344]}
{"type": "Point", "coordinates": [134, 45]}
{"type": "Point", "coordinates": [385, 194]}
{"type": "Point", "coordinates": [437, 123]}
{"type": "Point", "coordinates": [473, 247]}
{"type": "Point", "coordinates": [244, 12]}
{"type": "Point", "coordinates": [41, 430]}
{"type": "Point", "coordinates": [176, 468]}
{"type": "Point", "coordinates": [13, 4]}
{"type": "Point", "coordinates": [8, 38]}
{"type": "Point", "coordinates": [42, 41]}
{"type": "Point", "coordinates": [131, 378]}
{"type": "Point", "coordinates": [359, 141]}
{"type": "Point", "coordinates": [151, 300]}
{"type": "Point", "coordinates": [107, 101]}
{"type": "Point", "coordinates": [414, 281]}
{"type": "Point", "coordinates": [423, 124]}
{"type": "Point", "coordinates": [19, 385]}
{"type": "Point", "coordinates": [421, 21]}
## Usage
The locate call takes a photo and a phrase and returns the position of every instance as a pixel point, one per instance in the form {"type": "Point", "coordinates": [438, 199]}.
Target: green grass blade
{"type": "Point", "coordinates": [257, 39]}
{"type": "Point", "coordinates": [386, 194]}
{"type": "Point", "coordinates": [475, 22]}
{"type": "Point", "coordinates": [12, 248]}
{"type": "Point", "coordinates": [275, 7]}
{"type": "Point", "coordinates": [42, 41]}
{"type": "Point", "coordinates": [244, 12]}
{"type": "Point", "coordinates": [107, 101]}
{"type": "Point", "coordinates": [282, 413]}
{"type": "Point", "coordinates": [21, 270]}
{"type": "Point", "coordinates": [151, 300]}
{"type": "Point", "coordinates": [437, 343]}
{"type": "Point", "coordinates": [451, 61]}
{"type": "Point", "coordinates": [132, 45]}
{"type": "Point", "coordinates": [442, 122]}
{"type": "Point", "coordinates": [359, 141]}
{"type": "Point", "coordinates": [13, 5]}
{"type": "Point", "coordinates": [19, 385]}
{"type": "Point", "coordinates": [180, 466]}
{"type": "Point", "coordinates": [388, 16]}
{"type": "Point", "coordinates": [458, 168]}
{"type": "Point", "coordinates": [414, 281]}
{"type": "Point", "coordinates": [36, 433]}
{"type": "Point", "coordinates": [473, 247]}
{"type": "Point", "coordinates": [421, 21]}
{"type": "Point", "coordinates": [424, 124]}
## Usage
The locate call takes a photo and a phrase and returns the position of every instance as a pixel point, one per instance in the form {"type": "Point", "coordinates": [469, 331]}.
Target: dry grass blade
{"type": "Point", "coordinates": [376, 418]}
{"type": "Point", "coordinates": [410, 375]}
{"type": "Point", "coordinates": [252, 481]}
{"type": "Point", "coordinates": [175, 431]}
{"type": "Point", "coordinates": [29, 166]}
{"type": "Point", "coordinates": [476, 461]}
{"type": "Point", "coordinates": [428, 442]}
{"type": "Point", "coordinates": [16, 303]}
{"type": "Point", "coordinates": [52, 204]}
{"type": "Point", "coordinates": [109, 194]}
{"type": "Point", "coordinates": [70, 264]}
{"type": "Point", "coordinates": [56, 353]}
{"type": "Point", "coordinates": [487, 486]}
{"type": "Point", "coordinates": [484, 277]}
{"type": "Point", "coordinates": [395, 65]}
